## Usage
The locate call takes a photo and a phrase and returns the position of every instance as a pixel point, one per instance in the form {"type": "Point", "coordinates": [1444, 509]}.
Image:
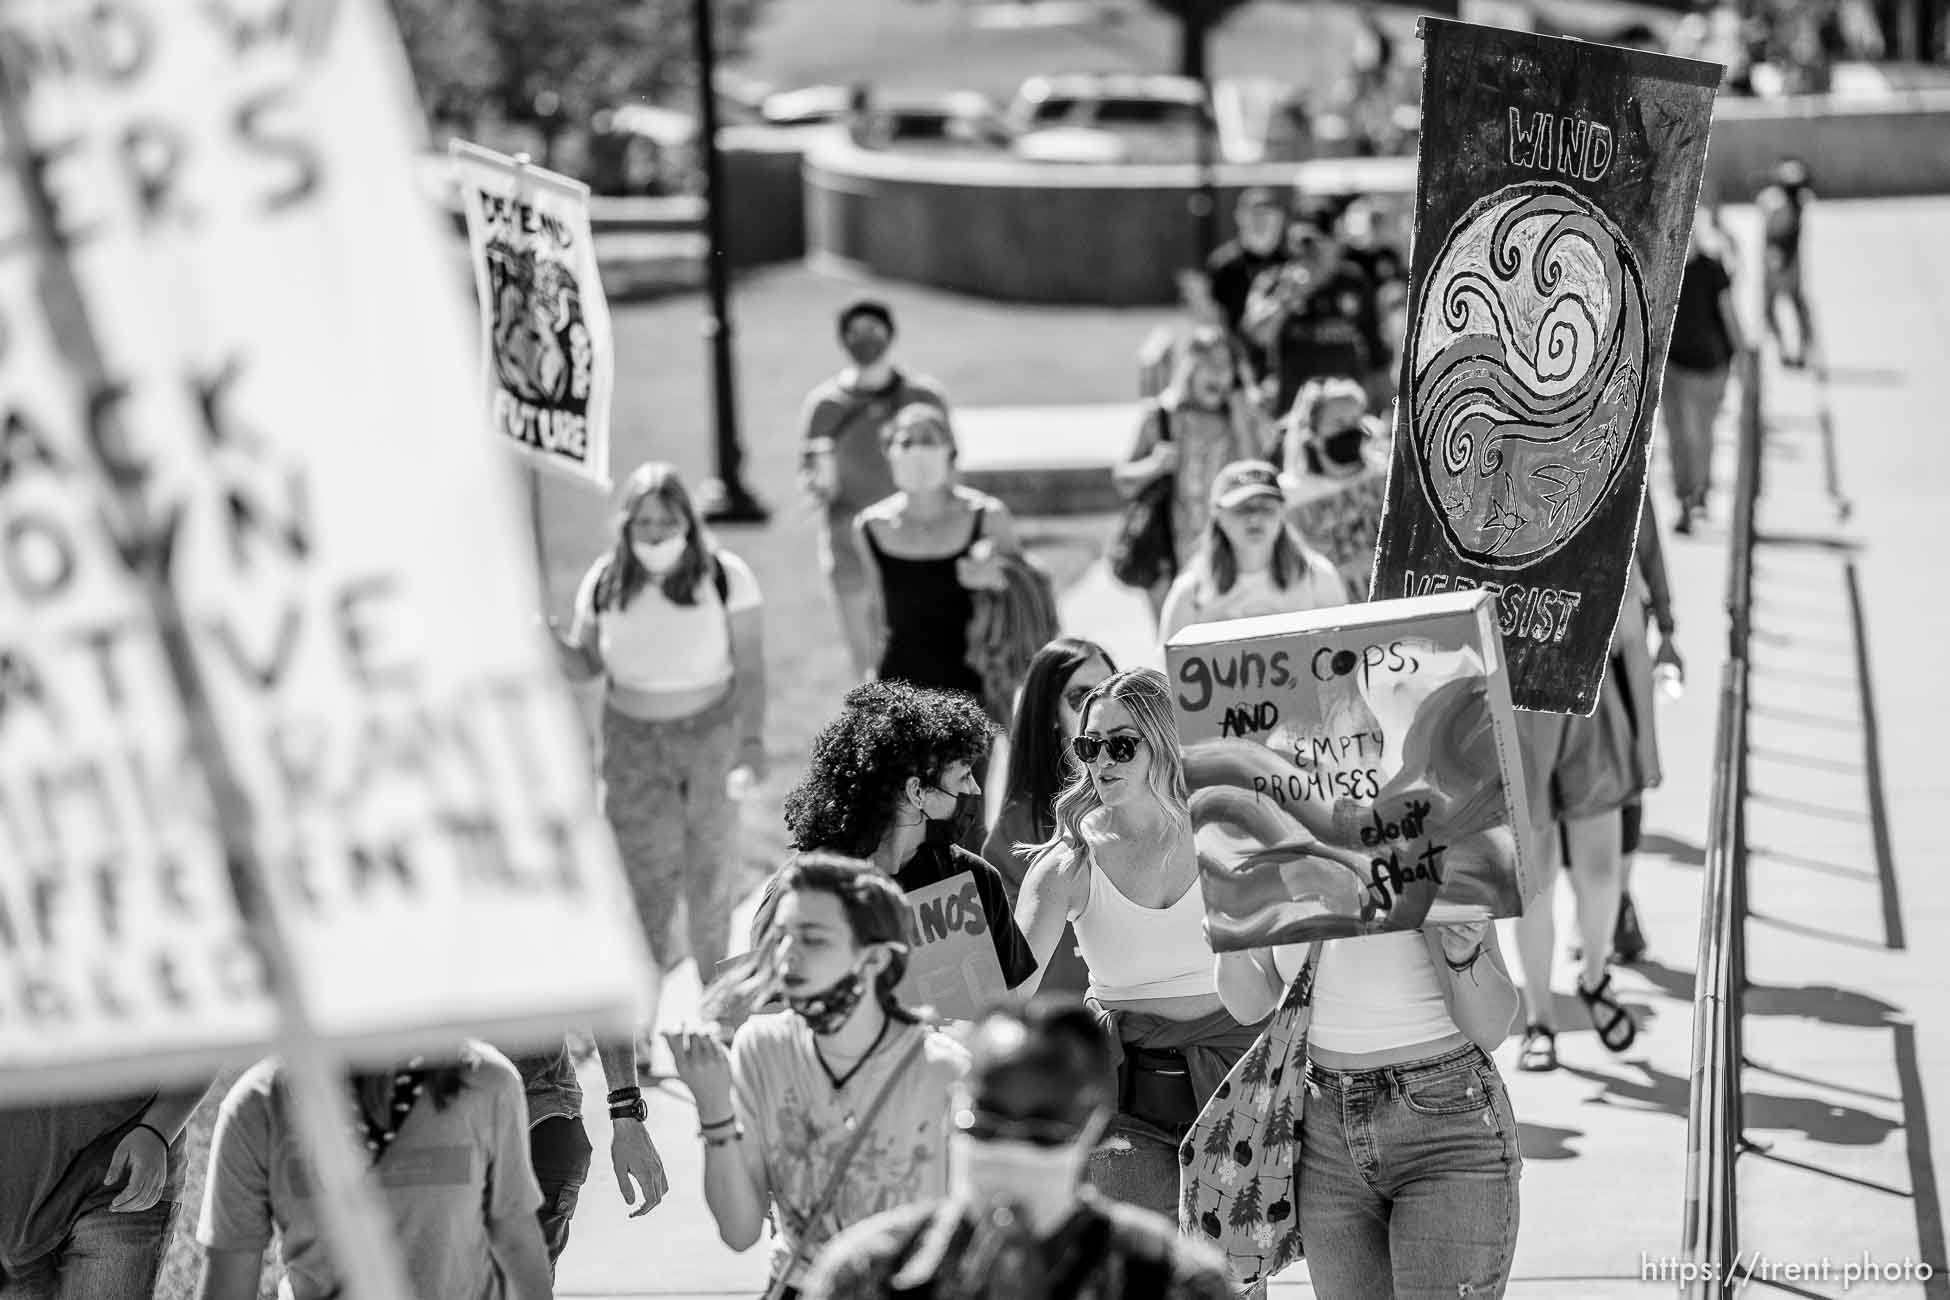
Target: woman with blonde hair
{"type": "Point", "coordinates": [1204, 420]}
{"type": "Point", "coordinates": [671, 624]}
{"type": "Point", "coordinates": [1250, 561]}
{"type": "Point", "coordinates": [1121, 868]}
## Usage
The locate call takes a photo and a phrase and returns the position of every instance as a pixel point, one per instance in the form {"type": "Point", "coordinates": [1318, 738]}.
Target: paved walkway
{"type": "Point", "coordinates": [1847, 1025]}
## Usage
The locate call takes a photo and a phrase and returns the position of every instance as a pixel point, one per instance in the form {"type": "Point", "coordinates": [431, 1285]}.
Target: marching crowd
{"type": "Point", "coordinates": [1040, 1150]}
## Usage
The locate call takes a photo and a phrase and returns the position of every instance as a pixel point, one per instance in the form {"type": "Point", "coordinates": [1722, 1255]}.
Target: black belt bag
{"type": "Point", "coordinates": [1156, 1086]}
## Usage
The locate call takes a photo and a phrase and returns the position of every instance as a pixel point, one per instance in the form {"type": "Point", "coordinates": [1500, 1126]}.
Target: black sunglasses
{"type": "Point", "coordinates": [984, 1127]}
{"type": "Point", "coordinates": [1122, 748]}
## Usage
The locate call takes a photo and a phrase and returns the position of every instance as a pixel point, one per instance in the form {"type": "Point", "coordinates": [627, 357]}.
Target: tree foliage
{"type": "Point", "coordinates": [508, 57]}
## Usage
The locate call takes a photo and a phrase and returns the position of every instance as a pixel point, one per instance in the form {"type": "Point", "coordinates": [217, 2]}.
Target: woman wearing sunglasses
{"type": "Point", "coordinates": [1251, 561]}
{"type": "Point", "coordinates": [1121, 868]}
{"type": "Point", "coordinates": [1048, 712]}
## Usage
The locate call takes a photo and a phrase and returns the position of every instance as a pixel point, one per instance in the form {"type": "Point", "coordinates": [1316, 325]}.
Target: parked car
{"type": "Point", "coordinates": [1642, 24]}
{"type": "Point", "coordinates": [1110, 118]}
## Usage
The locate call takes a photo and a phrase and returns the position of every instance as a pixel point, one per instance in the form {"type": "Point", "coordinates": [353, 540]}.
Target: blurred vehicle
{"type": "Point", "coordinates": [962, 119]}
{"type": "Point", "coordinates": [1113, 118]}
{"type": "Point", "coordinates": [953, 120]}
{"type": "Point", "coordinates": [639, 149]}
{"type": "Point", "coordinates": [1641, 24]}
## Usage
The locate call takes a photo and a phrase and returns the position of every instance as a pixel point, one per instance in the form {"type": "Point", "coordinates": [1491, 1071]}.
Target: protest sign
{"type": "Point", "coordinates": [549, 358]}
{"type": "Point", "coordinates": [1553, 197]}
{"type": "Point", "coordinates": [952, 966]}
{"type": "Point", "coordinates": [258, 348]}
{"type": "Point", "coordinates": [1353, 770]}
{"type": "Point", "coordinates": [1340, 518]}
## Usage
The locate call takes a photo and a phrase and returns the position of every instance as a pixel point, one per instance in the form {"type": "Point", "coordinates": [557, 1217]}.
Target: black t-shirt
{"type": "Point", "coordinates": [1229, 273]}
{"type": "Point", "coordinates": [1332, 335]}
{"type": "Point", "coordinates": [936, 862]}
{"type": "Point", "coordinates": [1699, 335]}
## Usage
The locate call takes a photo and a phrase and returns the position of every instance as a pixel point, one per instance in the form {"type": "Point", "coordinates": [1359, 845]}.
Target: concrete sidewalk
{"type": "Point", "coordinates": [1847, 1031]}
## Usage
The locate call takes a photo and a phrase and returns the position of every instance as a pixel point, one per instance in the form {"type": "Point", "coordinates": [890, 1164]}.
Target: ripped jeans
{"type": "Point", "coordinates": [1408, 1180]}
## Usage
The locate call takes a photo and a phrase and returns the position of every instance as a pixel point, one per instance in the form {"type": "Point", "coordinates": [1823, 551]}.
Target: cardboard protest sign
{"type": "Point", "coordinates": [952, 966]}
{"type": "Point", "coordinates": [274, 369]}
{"type": "Point", "coordinates": [548, 354]}
{"type": "Point", "coordinates": [1555, 191]}
{"type": "Point", "coordinates": [1353, 770]}
{"type": "Point", "coordinates": [1341, 519]}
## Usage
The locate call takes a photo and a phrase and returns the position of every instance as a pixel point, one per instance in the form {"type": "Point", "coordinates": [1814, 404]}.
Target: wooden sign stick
{"type": "Point", "coordinates": [537, 534]}
{"type": "Point", "coordinates": [361, 1239]}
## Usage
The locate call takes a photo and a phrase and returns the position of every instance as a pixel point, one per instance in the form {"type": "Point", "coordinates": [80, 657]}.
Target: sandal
{"type": "Point", "coordinates": [1539, 1052]}
{"type": "Point", "coordinates": [1609, 1031]}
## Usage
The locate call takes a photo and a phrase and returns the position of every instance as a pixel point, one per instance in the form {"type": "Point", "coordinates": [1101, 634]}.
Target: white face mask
{"type": "Point", "coordinates": [660, 557]}
{"type": "Point", "coordinates": [920, 469]}
{"type": "Point", "coordinates": [1040, 1182]}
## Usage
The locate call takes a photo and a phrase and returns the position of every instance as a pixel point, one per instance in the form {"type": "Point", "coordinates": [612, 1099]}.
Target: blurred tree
{"type": "Point", "coordinates": [554, 64]}
{"type": "Point", "coordinates": [1197, 20]}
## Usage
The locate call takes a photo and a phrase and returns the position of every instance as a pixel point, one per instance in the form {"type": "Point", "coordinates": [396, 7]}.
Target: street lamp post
{"type": "Point", "coordinates": [727, 499]}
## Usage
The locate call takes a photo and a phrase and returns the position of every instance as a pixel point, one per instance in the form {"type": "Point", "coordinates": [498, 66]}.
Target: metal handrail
{"type": "Point", "coordinates": [1714, 1125]}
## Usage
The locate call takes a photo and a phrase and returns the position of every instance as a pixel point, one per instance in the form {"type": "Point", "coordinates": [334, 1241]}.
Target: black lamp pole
{"type": "Point", "coordinates": [727, 500]}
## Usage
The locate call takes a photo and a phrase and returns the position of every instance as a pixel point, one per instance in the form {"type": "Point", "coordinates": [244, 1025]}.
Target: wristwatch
{"type": "Point", "coordinates": [628, 1103]}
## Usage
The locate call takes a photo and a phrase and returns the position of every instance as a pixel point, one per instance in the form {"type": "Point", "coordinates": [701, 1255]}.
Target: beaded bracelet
{"type": "Point", "coordinates": [732, 1138]}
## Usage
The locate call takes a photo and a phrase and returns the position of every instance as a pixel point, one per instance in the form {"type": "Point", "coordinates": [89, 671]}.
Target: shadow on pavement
{"type": "Point", "coordinates": [1547, 1142]}
{"type": "Point", "coordinates": [1818, 1121]}
{"type": "Point", "coordinates": [1683, 852]}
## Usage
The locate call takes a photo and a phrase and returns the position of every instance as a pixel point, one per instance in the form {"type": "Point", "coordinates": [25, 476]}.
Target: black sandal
{"type": "Point", "coordinates": [1539, 1052]}
{"type": "Point", "coordinates": [1608, 1032]}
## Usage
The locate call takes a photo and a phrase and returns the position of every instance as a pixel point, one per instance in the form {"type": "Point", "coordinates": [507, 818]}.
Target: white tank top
{"type": "Point", "coordinates": [1376, 993]}
{"type": "Point", "coordinates": [1143, 952]}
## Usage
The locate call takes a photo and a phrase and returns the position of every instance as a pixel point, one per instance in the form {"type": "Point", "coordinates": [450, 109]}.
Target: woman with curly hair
{"type": "Point", "coordinates": [884, 784]}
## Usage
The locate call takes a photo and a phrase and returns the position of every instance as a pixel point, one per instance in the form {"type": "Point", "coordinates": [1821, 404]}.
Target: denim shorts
{"type": "Point", "coordinates": [1408, 1179]}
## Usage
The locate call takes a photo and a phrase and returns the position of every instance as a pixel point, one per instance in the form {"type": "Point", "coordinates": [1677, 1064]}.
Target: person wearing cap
{"type": "Point", "coordinates": [1251, 561]}
{"type": "Point", "coordinates": [1314, 314]}
{"type": "Point", "coordinates": [1019, 1220]}
{"type": "Point", "coordinates": [1234, 266]}
{"type": "Point", "coordinates": [843, 462]}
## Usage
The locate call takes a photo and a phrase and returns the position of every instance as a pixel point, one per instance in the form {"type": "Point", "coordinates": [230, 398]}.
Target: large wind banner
{"type": "Point", "coordinates": [261, 346]}
{"type": "Point", "coordinates": [1556, 187]}
{"type": "Point", "coordinates": [545, 330]}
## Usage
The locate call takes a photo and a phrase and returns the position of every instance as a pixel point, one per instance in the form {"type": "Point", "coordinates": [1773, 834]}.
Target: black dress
{"type": "Point", "coordinates": [928, 612]}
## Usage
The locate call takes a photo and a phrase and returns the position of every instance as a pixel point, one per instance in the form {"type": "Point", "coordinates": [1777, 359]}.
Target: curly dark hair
{"type": "Point", "coordinates": [886, 733]}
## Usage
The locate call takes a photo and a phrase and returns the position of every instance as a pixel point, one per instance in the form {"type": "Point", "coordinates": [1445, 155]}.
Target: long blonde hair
{"type": "Point", "coordinates": [1147, 695]}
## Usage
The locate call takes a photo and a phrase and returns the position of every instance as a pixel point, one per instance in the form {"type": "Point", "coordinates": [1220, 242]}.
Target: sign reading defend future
{"type": "Point", "coordinates": [1556, 187]}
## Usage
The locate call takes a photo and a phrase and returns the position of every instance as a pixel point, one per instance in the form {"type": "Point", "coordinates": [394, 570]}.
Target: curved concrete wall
{"type": "Point", "coordinates": [1045, 233]}
{"type": "Point", "coordinates": [1037, 232]}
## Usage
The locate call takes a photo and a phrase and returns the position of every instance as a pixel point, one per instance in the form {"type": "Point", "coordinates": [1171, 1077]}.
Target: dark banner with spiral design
{"type": "Point", "coordinates": [1556, 186]}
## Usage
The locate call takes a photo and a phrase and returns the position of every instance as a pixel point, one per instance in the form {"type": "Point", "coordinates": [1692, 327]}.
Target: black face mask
{"type": "Point", "coordinates": [1342, 449]}
{"type": "Point", "coordinates": [864, 352]}
{"type": "Point", "coordinates": [958, 825]}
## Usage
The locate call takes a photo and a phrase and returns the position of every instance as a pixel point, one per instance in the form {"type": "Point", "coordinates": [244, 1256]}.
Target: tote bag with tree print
{"type": "Point", "coordinates": [1239, 1177]}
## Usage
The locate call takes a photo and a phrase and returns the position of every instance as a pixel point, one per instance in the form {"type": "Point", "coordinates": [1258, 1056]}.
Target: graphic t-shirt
{"type": "Point", "coordinates": [446, 1174]}
{"type": "Point", "coordinates": [791, 1112]}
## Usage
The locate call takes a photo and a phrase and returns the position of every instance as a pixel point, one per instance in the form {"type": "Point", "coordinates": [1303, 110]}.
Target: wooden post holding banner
{"type": "Point", "coordinates": [538, 533]}
{"type": "Point", "coordinates": [1552, 199]}
{"type": "Point", "coordinates": [362, 1242]}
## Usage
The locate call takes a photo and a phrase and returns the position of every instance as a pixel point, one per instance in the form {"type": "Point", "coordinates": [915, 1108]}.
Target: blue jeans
{"type": "Point", "coordinates": [1137, 1163]}
{"type": "Point", "coordinates": [1408, 1180]}
{"type": "Point", "coordinates": [104, 1254]}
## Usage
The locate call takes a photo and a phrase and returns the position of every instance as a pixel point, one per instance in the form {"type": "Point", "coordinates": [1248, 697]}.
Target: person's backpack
{"type": "Point", "coordinates": [1143, 552]}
